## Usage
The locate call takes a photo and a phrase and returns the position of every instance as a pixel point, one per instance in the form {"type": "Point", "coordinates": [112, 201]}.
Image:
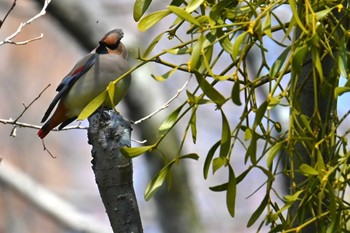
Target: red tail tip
{"type": "Point", "coordinates": [41, 133]}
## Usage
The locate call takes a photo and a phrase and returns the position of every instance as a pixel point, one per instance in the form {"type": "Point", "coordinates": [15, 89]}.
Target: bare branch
{"type": "Point", "coordinates": [46, 149]}
{"type": "Point", "coordinates": [9, 39]}
{"type": "Point", "coordinates": [166, 105]}
{"type": "Point", "coordinates": [8, 13]}
{"type": "Point", "coordinates": [13, 132]}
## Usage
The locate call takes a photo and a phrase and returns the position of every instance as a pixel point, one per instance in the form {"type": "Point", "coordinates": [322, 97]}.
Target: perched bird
{"type": "Point", "coordinates": [88, 78]}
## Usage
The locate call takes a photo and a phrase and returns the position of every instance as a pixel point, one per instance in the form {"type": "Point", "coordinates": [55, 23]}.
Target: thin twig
{"type": "Point", "coordinates": [47, 150]}
{"type": "Point", "coordinates": [166, 105]}
{"type": "Point", "coordinates": [13, 131]}
{"type": "Point", "coordinates": [8, 13]}
{"type": "Point", "coordinates": [9, 39]}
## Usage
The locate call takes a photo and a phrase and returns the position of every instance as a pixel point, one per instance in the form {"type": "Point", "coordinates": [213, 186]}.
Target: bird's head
{"type": "Point", "coordinates": [111, 43]}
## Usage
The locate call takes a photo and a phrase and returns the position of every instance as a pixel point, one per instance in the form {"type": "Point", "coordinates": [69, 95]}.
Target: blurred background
{"type": "Point", "coordinates": [69, 29]}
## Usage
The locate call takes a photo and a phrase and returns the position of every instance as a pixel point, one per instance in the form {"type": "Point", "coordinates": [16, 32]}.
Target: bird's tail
{"type": "Point", "coordinates": [47, 127]}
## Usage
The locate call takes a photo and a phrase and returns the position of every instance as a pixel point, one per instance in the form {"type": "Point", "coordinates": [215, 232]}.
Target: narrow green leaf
{"type": "Point", "coordinates": [247, 134]}
{"type": "Point", "coordinates": [260, 114]}
{"type": "Point", "coordinates": [292, 198]}
{"type": "Point", "coordinates": [237, 44]}
{"type": "Point", "coordinates": [111, 92]}
{"type": "Point", "coordinates": [193, 4]}
{"type": "Point", "coordinates": [183, 15]}
{"type": "Point", "coordinates": [299, 56]}
{"type": "Point", "coordinates": [343, 60]}
{"type": "Point", "coordinates": [224, 41]}
{"type": "Point", "coordinates": [295, 15]}
{"type": "Point", "coordinates": [307, 170]}
{"type": "Point", "coordinates": [91, 107]}
{"type": "Point", "coordinates": [131, 152]}
{"type": "Point", "coordinates": [190, 156]}
{"type": "Point", "coordinates": [152, 45]}
{"type": "Point", "coordinates": [150, 20]}
{"type": "Point", "coordinates": [210, 91]}
{"type": "Point", "coordinates": [251, 151]}
{"type": "Point", "coordinates": [277, 65]}
{"type": "Point", "coordinates": [231, 192]}
{"type": "Point", "coordinates": [267, 25]}
{"type": "Point", "coordinates": [169, 122]}
{"type": "Point", "coordinates": [157, 181]}
{"type": "Point", "coordinates": [276, 148]}
{"type": "Point", "coordinates": [236, 94]}
{"type": "Point", "coordinates": [338, 91]}
{"type": "Point", "coordinates": [218, 163]}
{"type": "Point", "coordinates": [316, 61]}
{"type": "Point", "coordinates": [140, 7]}
{"type": "Point", "coordinates": [196, 53]}
{"type": "Point", "coordinates": [193, 124]}
{"type": "Point", "coordinates": [219, 188]}
{"type": "Point", "coordinates": [306, 122]}
{"type": "Point", "coordinates": [209, 158]}
{"type": "Point", "coordinates": [257, 213]}
{"type": "Point", "coordinates": [166, 75]}
{"type": "Point", "coordinates": [225, 142]}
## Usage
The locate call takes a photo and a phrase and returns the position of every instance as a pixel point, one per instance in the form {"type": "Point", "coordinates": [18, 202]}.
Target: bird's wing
{"type": "Point", "coordinates": [78, 70]}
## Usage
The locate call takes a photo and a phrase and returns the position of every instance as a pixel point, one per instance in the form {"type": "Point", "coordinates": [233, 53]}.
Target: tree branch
{"type": "Point", "coordinates": [108, 132]}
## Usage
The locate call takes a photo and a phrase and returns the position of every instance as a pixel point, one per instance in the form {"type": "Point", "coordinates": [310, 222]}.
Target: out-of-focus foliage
{"type": "Point", "coordinates": [219, 35]}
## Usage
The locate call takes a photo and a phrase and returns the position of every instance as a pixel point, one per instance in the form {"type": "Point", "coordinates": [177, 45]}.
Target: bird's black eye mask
{"type": "Point", "coordinates": [102, 48]}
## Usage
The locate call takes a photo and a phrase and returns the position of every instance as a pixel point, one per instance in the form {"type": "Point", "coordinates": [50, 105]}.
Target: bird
{"type": "Point", "coordinates": [89, 78]}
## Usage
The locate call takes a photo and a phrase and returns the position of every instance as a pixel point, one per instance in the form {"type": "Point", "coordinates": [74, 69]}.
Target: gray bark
{"type": "Point", "coordinates": [107, 133]}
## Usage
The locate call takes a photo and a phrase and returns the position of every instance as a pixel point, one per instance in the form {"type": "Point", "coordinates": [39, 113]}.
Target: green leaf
{"type": "Point", "coordinates": [196, 53]}
{"type": "Point", "coordinates": [260, 114]}
{"type": "Point", "coordinates": [257, 213]}
{"type": "Point", "coordinates": [231, 192]}
{"type": "Point", "coordinates": [225, 142]}
{"type": "Point", "coordinates": [193, 124]}
{"type": "Point", "coordinates": [338, 91]}
{"type": "Point", "coordinates": [169, 122]}
{"type": "Point", "coordinates": [276, 148]}
{"type": "Point", "coordinates": [210, 91]}
{"type": "Point", "coordinates": [165, 76]}
{"type": "Point", "coordinates": [307, 170]}
{"type": "Point", "coordinates": [209, 158]}
{"type": "Point", "coordinates": [237, 44]}
{"type": "Point", "coordinates": [277, 65]}
{"type": "Point", "coordinates": [343, 60]}
{"type": "Point", "coordinates": [131, 152]}
{"type": "Point", "coordinates": [299, 58]}
{"type": "Point", "coordinates": [292, 198]}
{"type": "Point", "coordinates": [267, 25]}
{"type": "Point", "coordinates": [193, 4]}
{"type": "Point", "coordinates": [235, 94]}
{"type": "Point", "coordinates": [183, 15]}
{"type": "Point", "coordinates": [219, 188]}
{"type": "Point", "coordinates": [247, 134]}
{"type": "Point", "coordinates": [218, 163]}
{"type": "Point", "coordinates": [190, 156]}
{"type": "Point", "coordinates": [224, 41]}
{"type": "Point", "coordinates": [157, 181]}
{"type": "Point", "coordinates": [150, 20]}
{"type": "Point", "coordinates": [91, 107]}
{"type": "Point", "coordinates": [295, 15]}
{"type": "Point", "coordinates": [111, 92]}
{"type": "Point", "coordinates": [251, 151]}
{"type": "Point", "coordinates": [140, 7]}
{"type": "Point", "coordinates": [152, 45]}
